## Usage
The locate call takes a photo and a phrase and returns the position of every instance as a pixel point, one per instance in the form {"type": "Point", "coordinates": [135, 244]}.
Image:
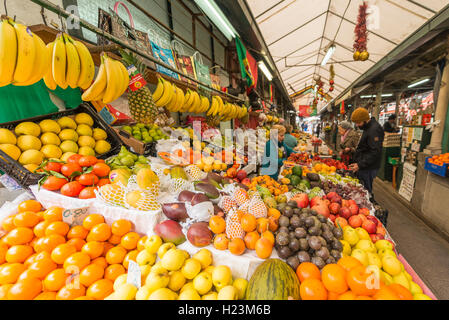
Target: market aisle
{"type": "Point", "coordinates": [424, 249]}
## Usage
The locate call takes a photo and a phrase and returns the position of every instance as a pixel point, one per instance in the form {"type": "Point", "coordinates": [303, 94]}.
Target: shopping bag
{"type": "Point", "coordinates": [166, 56]}
{"type": "Point", "coordinates": [184, 62]}
{"type": "Point", "coordinates": [201, 70]}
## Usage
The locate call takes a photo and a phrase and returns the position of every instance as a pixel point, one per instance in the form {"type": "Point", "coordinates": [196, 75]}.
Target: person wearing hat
{"type": "Point", "coordinates": [367, 156]}
{"type": "Point", "coordinates": [390, 125]}
{"type": "Point", "coordinates": [349, 141]}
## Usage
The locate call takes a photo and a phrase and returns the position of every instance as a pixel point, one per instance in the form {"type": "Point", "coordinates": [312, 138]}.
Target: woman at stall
{"type": "Point", "coordinates": [349, 141]}
{"type": "Point", "coordinates": [290, 140]}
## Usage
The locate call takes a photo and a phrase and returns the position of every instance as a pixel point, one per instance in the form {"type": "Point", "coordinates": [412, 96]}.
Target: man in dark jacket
{"type": "Point", "coordinates": [367, 156]}
{"type": "Point", "coordinates": [390, 125]}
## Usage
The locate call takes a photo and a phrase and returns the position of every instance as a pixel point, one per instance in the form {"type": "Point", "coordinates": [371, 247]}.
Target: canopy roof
{"type": "Point", "coordinates": [298, 32]}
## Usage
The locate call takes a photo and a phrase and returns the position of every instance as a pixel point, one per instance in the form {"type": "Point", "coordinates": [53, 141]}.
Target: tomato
{"type": "Point", "coordinates": [88, 179]}
{"type": "Point", "coordinates": [103, 182]}
{"type": "Point", "coordinates": [74, 158]}
{"type": "Point", "coordinates": [53, 183]}
{"type": "Point", "coordinates": [87, 161]}
{"type": "Point", "coordinates": [101, 161]}
{"type": "Point", "coordinates": [69, 168]}
{"type": "Point", "coordinates": [88, 193]}
{"type": "Point", "coordinates": [101, 169]}
{"type": "Point", "coordinates": [53, 166]}
{"type": "Point", "coordinates": [72, 189]}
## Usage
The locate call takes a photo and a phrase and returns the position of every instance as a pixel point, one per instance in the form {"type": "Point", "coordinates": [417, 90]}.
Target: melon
{"type": "Point", "coordinates": [273, 280]}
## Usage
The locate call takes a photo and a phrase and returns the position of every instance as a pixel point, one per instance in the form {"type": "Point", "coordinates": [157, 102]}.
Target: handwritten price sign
{"type": "Point", "coordinates": [75, 217]}
{"type": "Point", "coordinates": [134, 274]}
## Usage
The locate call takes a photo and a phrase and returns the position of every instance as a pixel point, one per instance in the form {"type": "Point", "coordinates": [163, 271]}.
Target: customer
{"type": "Point", "coordinates": [349, 141]}
{"type": "Point", "coordinates": [334, 131]}
{"type": "Point", "coordinates": [290, 140]}
{"type": "Point", "coordinates": [367, 156]}
{"type": "Point", "coordinates": [390, 125]}
{"type": "Point", "coordinates": [318, 129]}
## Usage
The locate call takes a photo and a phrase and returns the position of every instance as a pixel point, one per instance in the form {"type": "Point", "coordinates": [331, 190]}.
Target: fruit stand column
{"type": "Point", "coordinates": [376, 110]}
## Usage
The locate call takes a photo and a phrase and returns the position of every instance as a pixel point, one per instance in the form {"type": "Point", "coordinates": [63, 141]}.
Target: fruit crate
{"type": "Point", "coordinates": [139, 147]}
{"type": "Point", "coordinates": [442, 171]}
{"type": "Point", "coordinates": [26, 178]}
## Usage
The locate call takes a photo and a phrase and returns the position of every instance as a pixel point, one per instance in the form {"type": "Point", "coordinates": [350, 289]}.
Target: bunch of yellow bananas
{"type": "Point", "coordinates": [70, 64]}
{"type": "Point", "coordinates": [111, 82]}
{"type": "Point", "coordinates": [23, 56]}
{"type": "Point", "coordinates": [226, 111]}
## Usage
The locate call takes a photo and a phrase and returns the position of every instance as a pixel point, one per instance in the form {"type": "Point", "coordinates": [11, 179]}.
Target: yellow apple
{"type": "Point", "coordinates": [145, 270]}
{"type": "Point", "coordinates": [209, 269]}
{"type": "Point", "coordinates": [186, 254]}
{"type": "Point", "coordinates": [162, 294]}
{"type": "Point", "coordinates": [191, 268]}
{"type": "Point", "coordinates": [144, 257]}
{"type": "Point", "coordinates": [173, 260]}
{"type": "Point", "coordinates": [188, 285]}
{"type": "Point", "coordinates": [386, 278]}
{"type": "Point", "coordinates": [383, 244]}
{"type": "Point", "coordinates": [386, 252]}
{"type": "Point", "coordinates": [240, 284]}
{"type": "Point", "coordinates": [360, 255]}
{"type": "Point", "coordinates": [421, 296]}
{"type": "Point", "coordinates": [227, 293]}
{"type": "Point", "coordinates": [415, 288]}
{"type": "Point", "coordinates": [202, 283]}
{"type": "Point", "coordinates": [204, 256]}
{"type": "Point", "coordinates": [391, 265]}
{"type": "Point", "coordinates": [144, 292]}
{"type": "Point", "coordinates": [157, 278]}
{"type": "Point", "coordinates": [346, 247]}
{"type": "Point", "coordinates": [402, 280]}
{"type": "Point", "coordinates": [177, 281]}
{"type": "Point", "coordinates": [153, 243]}
{"type": "Point", "coordinates": [189, 294]}
{"type": "Point", "coordinates": [366, 245]}
{"type": "Point", "coordinates": [362, 233]}
{"type": "Point", "coordinates": [126, 292]}
{"type": "Point", "coordinates": [409, 277]}
{"type": "Point", "coordinates": [373, 259]}
{"type": "Point", "coordinates": [350, 235]}
{"type": "Point", "coordinates": [120, 281]}
{"type": "Point", "coordinates": [210, 296]}
{"type": "Point", "coordinates": [221, 276]}
{"type": "Point", "coordinates": [164, 248]}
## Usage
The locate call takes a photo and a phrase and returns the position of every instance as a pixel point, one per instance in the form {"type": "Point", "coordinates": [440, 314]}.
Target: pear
{"type": "Point", "coordinates": [402, 280]}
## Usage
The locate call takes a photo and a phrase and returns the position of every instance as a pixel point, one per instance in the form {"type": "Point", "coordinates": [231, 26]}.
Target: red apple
{"type": "Point", "coordinates": [302, 200]}
{"type": "Point", "coordinates": [354, 209]}
{"type": "Point", "coordinates": [345, 213]}
{"type": "Point", "coordinates": [381, 230]}
{"type": "Point", "coordinates": [246, 181]}
{"type": "Point", "coordinates": [322, 209]}
{"type": "Point", "coordinates": [373, 219]}
{"type": "Point", "coordinates": [373, 237]}
{"type": "Point", "coordinates": [332, 217]}
{"type": "Point", "coordinates": [342, 222]}
{"type": "Point", "coordinates": [352, 202]}
{"type": "Point", "coordinates": [315, 201]}
{"type": "Point", "coordinates": [364, 211]}
{"type": "Point", "coordinates": [334, 208]}
{"type": "Point", "coordinates": [355, 221]}
{"type": "Point", "coordinates": [241, 174]}
{"type": "Point", "coordinates": [344, 203]}
{"type": "Point", "coordinates": [380, 236]}
{"type": "Point", "coordinates": [326, 202]}
{"type": "Point", "coordinates": [369, 226]}
{"type": "Point", "coordinates": [336, 199]}
{"type": "Point", "coordinates": [362, 217]}
{"type": "Point", "coordinates": [330, 195]}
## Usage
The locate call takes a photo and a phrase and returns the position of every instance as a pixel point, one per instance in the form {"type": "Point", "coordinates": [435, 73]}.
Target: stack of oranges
{"type": "Point", "coordinates": [439, 160]}
{"type": "Point", "coordinates": [44, 258]}
{"type": "Point", "coordinates": [347, 279]}
{"type": "Point", "coordinates": [258, 233]}
{"type": "Point", "coordinates": [265, 181]}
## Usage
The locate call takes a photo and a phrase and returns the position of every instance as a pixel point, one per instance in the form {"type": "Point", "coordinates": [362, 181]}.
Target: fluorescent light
{"type": "Point", "coordinates": [373, 96]}
{"type": "Point", "coordinates": [214, 13]}
{"type": "Point", "coordinates": [387, 95]}
{"type": "Point", "coordinates": [265, 70]}
{"type": "Point", "coordinates": [328, 55]}
{"type": "Point", "coordinates": [418, 83]}
{"type": "Point", "coordinates": [365, 97]}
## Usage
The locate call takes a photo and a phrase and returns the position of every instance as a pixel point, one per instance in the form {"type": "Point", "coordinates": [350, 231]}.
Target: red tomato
{"type": "Point", "coordinates": [88, 193]}
{"type": "Point", "coordinates": [74, 158]}
{"type": "Point", "coordinates": [101, 161]}
{"type": "Point", "coordinates": [72, 189]}
{"type": "Point", "coordinates": [53, 183]}
{"type": "Point", "coordinates": [87, 161]}
{"type": "Point", "coordinates": [103, 182]}
{"type": "Point", "coordinates": [101, 169]}
{"type": "Point", "coordinates": [69, 168]}
{"type": "Point", "coordinates": [53, 166]}
{"type": "Point", "coordinates": [88, 179]}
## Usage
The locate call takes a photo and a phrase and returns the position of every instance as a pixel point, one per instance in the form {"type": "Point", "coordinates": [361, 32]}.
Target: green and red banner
{"type": "Point", "coordinates": [248, 65]}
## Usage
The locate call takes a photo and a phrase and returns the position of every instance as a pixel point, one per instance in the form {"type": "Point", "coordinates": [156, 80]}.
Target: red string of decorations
{"type": "Point", "coordinates": [361, 34]}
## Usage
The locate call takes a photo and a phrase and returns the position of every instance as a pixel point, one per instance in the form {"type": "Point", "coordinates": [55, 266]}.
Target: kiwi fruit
{"type": "Point", "coordinates": [293, 262]}
{"type": "Point", "coordinates": [284, 221]}
{"type": "Point", "coordinates": [303, 256]}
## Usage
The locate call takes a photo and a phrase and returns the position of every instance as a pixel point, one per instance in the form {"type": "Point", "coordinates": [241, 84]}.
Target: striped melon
{"type": "Point", "coordinates": [273, 280]}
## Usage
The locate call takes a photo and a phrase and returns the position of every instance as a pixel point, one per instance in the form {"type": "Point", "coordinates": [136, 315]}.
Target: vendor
{"type": "Point", "coordinates": [390, 125]}
{"type": "Point", "coordinates": [290, 140]}
{"type": "Point", "coordinates": [276, 151]}
{"type": "Point", "coordinates": [349, 141]}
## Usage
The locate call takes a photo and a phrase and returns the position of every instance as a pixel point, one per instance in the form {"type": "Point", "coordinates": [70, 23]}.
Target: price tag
{"type": "Point", "coordinates": [137, 81]}
{"type": "Point", "coordinates": [134, 275]}
{"type": "Point", "coordinates": [75, 217]}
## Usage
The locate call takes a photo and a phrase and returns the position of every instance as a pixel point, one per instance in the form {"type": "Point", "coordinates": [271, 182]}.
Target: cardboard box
{"type": "Point", "coordinates": [137, 146]}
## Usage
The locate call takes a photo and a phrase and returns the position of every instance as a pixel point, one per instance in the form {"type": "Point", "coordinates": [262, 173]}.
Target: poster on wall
{"type": "Point", "coordinates": [408, 181]}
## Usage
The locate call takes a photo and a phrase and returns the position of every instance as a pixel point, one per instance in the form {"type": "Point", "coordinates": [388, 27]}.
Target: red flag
{"type": "Point", "coordinates": [342, 109]}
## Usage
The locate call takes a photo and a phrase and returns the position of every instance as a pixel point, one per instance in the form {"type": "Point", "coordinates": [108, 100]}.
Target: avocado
{"type": "Point", "coordinates": [313, 176]}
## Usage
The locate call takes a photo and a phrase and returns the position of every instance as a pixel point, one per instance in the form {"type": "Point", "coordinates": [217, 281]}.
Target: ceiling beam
{"type": "Point", "coordinates": [269, 9]}
{"type": "Point", "coordinates": [304, 46]}
{"type": "Point", "coordinates": [422, 6]}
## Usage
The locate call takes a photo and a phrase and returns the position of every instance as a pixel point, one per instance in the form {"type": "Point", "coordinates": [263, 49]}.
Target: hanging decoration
{"type": "Point", "coordinates": [361, 34]}
{"type": "Point", "coordinates": [331, 80]}
{"type": "Point", "coordinates": [342, 107]}
{"type": "Point", "coordinates": [271, 93]}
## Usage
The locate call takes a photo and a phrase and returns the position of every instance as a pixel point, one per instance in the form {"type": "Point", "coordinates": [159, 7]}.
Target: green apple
{"type": "Point", "coordinates": [391, 265]}
{"type": "Point", "coordinates": [177, 281]}
{"type": "Point", "coordinates": [373, 259]}
{"type": "Point", "coordinates": [360, 255]}
{"type": "Point", "coordinates": [402, 280]}
{"type": "Point", "coordinates": [189, 294]}
{"type": "Point", "coordinates": [173, 260]}
{"type": "Point", "coordinates": [210, 296]}
{"type": "Point", "coordinates": [144, 257]}
{"type": "Point", "coordinates": [227, 293]}
{"type": "Point", "coordinates": [240, 284]}
{"type": "Point", "coordinates": [202, 283]}
{"type": "Point", "coordinates": [415, 288]}
{"type": "Point", "coordinates": [383, 244]}
{"type": "Point", "coordinates": [153, 243]}
{"type": "Point", "coordinates": [204, 256]}
{"type": "Point", "coordinates": [191, 268]}
{"type": "Point", "coordinates": [221, 276]}
{"type": "Point", "coordinates": [126, 292]}
{"type": "Point", "coordinates": [421, 296]}
{"type": "Point", "coordinates": [350, 235]}
{"type": "Point", "coordinates": [362, 233]}
{"type": "Point", "coordinates": [164, 248]}
{"type": "Point", "coordinates": [366, 245]}
{"type": "Point", "coordinates": [162, 294]}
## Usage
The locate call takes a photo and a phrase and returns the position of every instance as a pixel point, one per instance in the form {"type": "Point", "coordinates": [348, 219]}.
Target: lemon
{"type": "Point", "coordinates": [28, 128]}
{"type": "Point", "coordinates": [51, 151]}
{"type": "Point", "coordinates": [84, 118]}
{"type": "Point", "coordinates": [28, 142]}
{"type": "Point", "coordinates": [11, 150]}
{"type": "Point", "coordinates": [66, 156]}
{"type": "Point", "coordinates": [50, 138]}
{"type": "Point", "coordinates": [86, 151]}
{"type": "Point", "coordinates": [86, 141]}
{"type": "Point", "coordinates": [68, 146]}
{"type": "Point", "coordinates": [68, 134]}
{"type": "Point", "coordinates": [31, 157]}
{"type": "Point", "coordinates": [100, 134]}
{"type": "Point", "coordinates": [102, 146]}
{"type": "Point", "coordinates": [31, 167]}
{"type": "Point", "coordinates": [84, 130]}
{"type": "Point", "coordinates": [7, 137]}
{"type": "Point", "coordinates": [67, 123]}
{"type": "Point", "coordinates": [50, 126]}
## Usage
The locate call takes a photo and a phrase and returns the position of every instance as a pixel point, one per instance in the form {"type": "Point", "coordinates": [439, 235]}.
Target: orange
{"type": "Point", "coordinates": [129, 240]}
{"type": "Point", "coordinates": [348, 295]}
{"type": "Point", "coordinates": [25, 289]}
{"type": "Point", "coordinates": [57, 227]}
{"type": "Point", "coordinates": [113, 271]}
{"type": "Point", "coordinates": [217, 224]}
{"type": "Point", "coordinates": [264, 247]}
{"type": "Point", "coordinates": [273, 224]}
{"type": "Point", "coordinates": [19, 235]}
{"type": "Point", "coordinates": [27, 274]}
{"type": "Point", "coordinates": [29, 205]}
{"type": "Point", "coordinates": [334, 278]}
{"type": "Point", "coordinates": [332, 295]}
{"type": "Point", "coordinates": [85, 297]}
{"type": "Point", "coordinates": [221, 242]}
{"type": "Point", "coordinates": [78, 260]}
{"type": "Point", "coordinates": [93, 249]}
{"type": "Point", "coordinates": [77, 243]}
{"type": "Point", "coordinates": [248, 222]}
{"type": "Point", "coordinates": [121, 227]}
{"type": "Point", "coordinates": [107, 247]}
{"type": "Point", "coordinates": [71, 292]}
{"type": "Point", "coordinates": [62, 252]}
{"type": "Point", "coordinates": [99, 232]}
{"type": "Point", "coordinates": [40, 269]}
{"type": "Point", "coordinates": [272, 212]}
{"type": "Point", "coordinates": [101, 261]}
{"type": "Point", "coordinates": [8, 223]}
{"type": "Point", "coordinates": [312, 289]}
{"type": "Point", "coordinates": [141, 243]}
{"type": "Point", "coordinates": [53, 214]}
{"type": "Point", "coordinates": [4, 291]}
{"type": "Point", "coordinates": [402, 292]}
{"type": "Point", "coordinates": [90, 274]}
{"type": "Point", "coordinates": [37, 257]}
{"type": "Point", "coordinates": [236, 246]}
{"type": "Point", "coordinates": [251, 239]}
{"type": "Point", "coordinates": [357, 280]}
{"type": "Point", "coordinates": [363, 298]}
{"type": "Point", "coordinates": [349, 263]}
{"type": "Point", "coordinates": [386, 293]}
{"type": "Point", "coordinates": [269, 236]}
{"type": "Point", "coordinates": [18, 253]}
{"type": "Point", "coordinates": [10, 273]}
{"type": "Point", "coordinates": [39, 229]}
{"type": "Point", "coordinates": [26, 219]}
{"type": "Point", "coordinates": [115, 255]}
{"type": "Point", "coordinates": [100, 289]}
{"type": "Point", "coordinates": [92, 220]}
{"type": "Point", "coordinates": [132, 255]}
{"type": "Point", "coordinates": [262, 225]}
{"type": "Point", "coordinates": [115, 239]}
{"type": "Point", "coordinates": [48, 295]}
{"type": "Point", "coordinates": [3, 250]}
{"type": "Point", "coordinates": [48, 243]}
{"type": "Point", "coordinates": [77, 232]}
{"type": "Point", "coordinates": [307, 270]}
{"type": "Point", "coordinates": [55, 280]}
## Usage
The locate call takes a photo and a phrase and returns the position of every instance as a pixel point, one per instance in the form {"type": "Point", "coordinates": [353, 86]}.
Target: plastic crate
{"type": "Point", "coordinates": [439, 170]}
{"type": "Point", "coordinates": [26, 178]}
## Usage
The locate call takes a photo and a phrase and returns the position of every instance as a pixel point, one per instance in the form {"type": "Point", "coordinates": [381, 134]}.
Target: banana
{"type": "Point", "coordinates": [8, 52]}
{"type": "Point", "coordinates": [217, 107]}
{"type": "Point", "coordinates": [212, 107]}
{"type": "Point", "coordinates": [188, 100]}
{"type": "Point", "coordinates": [159, 89]}
{"type": "Point", "coordinates": [99, 98]}
{"type": "Point", "coordinates": [172, 104]}
{"type": "Point", "coordinates": [73, 63]}
{"type": "Point", "coordinates": [48, 77]}
{"type": "Point", "coordinates": [166, 96]}
{"type": "Point", "coordinates": [204, 104]}
{"type": "Point", "coordinates": [26, 54]}
{"type": "Point", "coordinates": [181, 98]}
{"type": "Point", "coordinates": [59, 63]}
{"type": "Point", "coordinates": [113, 76]}
{"type": "Point", "coordinates": [196, 103]}
{"type": "Point", "coordinates": [120, 80]}
{"type": "Point", "coordinates": [221, 106]}
{"type": "Point", "coordinates": [125, 78]}
{"type": "Point", "coordinates": [98, 86]}
{"type": "Point", "coordinates": [87, 73]}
